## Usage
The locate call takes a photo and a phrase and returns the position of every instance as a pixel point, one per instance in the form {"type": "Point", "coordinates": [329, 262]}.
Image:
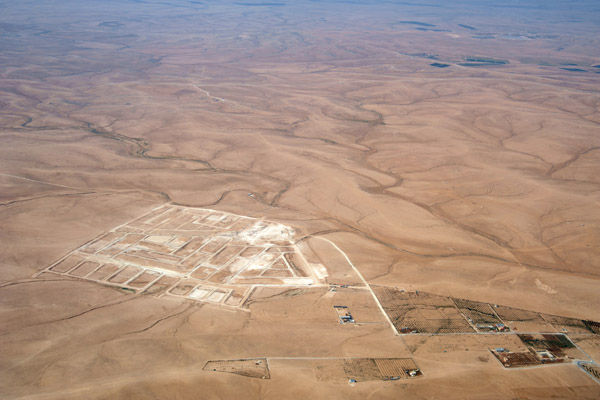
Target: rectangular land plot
{"type": "Point", "coordinates": [224, 255]}
{"type": "Point", "coordinates": [592, 326]}
{"type": "Point", "coordinates": [422, 312]}
{"type": "Point", "coordinates": [203, 272]}
{"type": "Point", "coordinates": [84, 269]}
{"type": "Point", "coordinates": [523, 320]}
{"type": "Point", "coordinates": [296, 264]}
{"type": "Point", "coordinates": [144, 279]}
{"type": "Point", "coordinates": [161, 286]}
{"type": "Point", "coordinates": [361, 369]}
{"type": "Point", "coordinates": [518, 315]}
{"type": "Point", "coordinates": [152, 255]}
{"type": "Point", "coordinates": [479, 313]}
{"type": "Point", "coordinates": [199, 293]}
{"type": "Point", "coordinates": [592, 369]}
{"type": "Point", "coordinates": [193, 261]}
{"type": "Point", "coordinates": [101, 242]}
{"type": "Point", "coordinates": [393, 368]}
{"type": "Point", "coordinates": [365, 369]}
{"type": "Point", "coordinates": [236, 297]}
{"type": "Point", "coordinates": [215, 244]}
{"type": "Point", "coordinates": [191, 246]}
{"type": "Point", "coordinates": [277, 273]}
{"type": "Point", "coordinates": [547, 341]}
{"type": "Point", "coordinates": [217, 296]}
{"type": "Point", "coordinates": [124, 275]}
{"type": "Point", "coordinates": [564, 324]}
{"type": "Point", "coordinates": [251, 252]}
{"type": "Point", "coordinates": [104, 272]}
{"type": "Point", "coordinates": [67, 264]}
{"type": "Point", "coordinates": [517, 359]}
{"type": "Point", "coordinates": [252, 368]}
{"type": "Point", "coordinates": [183, 287]}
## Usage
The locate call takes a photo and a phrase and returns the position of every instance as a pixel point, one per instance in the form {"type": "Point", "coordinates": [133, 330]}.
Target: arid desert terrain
{"type": "Point", "coordinates": [299, 199]}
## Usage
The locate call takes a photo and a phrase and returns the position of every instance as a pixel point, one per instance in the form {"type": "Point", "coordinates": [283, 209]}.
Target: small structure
{"type": "Point", "coordinates": [344, 314]}
{"type": "Point", "coordinates": [491, 327]}
{"type": "Point", "coordinates": [406, 329]}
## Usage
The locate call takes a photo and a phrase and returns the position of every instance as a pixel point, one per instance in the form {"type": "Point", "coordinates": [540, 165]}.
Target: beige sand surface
{"type": "Point", "coordinates": [477, 181]}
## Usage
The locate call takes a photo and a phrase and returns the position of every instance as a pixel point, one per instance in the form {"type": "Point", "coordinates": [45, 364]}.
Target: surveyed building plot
{"type": "Point", "coordinates": [199, 254]}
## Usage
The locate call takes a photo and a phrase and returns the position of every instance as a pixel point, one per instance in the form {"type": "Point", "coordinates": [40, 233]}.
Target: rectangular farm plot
{"type": "Point", "coordinates": [592, 326]}
{"type": "Point", "coordinates": [391, 368]}
{"type": "Point", "coordinates": [564, 324]}
{"type": "Point", "coordinates": [422, 312]}
{"type": "Point", "coordinates": [523, 320]}
{"type": "Point", "coordinates": [516, 314]}
{"type": "Point", "coordinates": [366, 369]}
{"type": "Point", "coordinates": [481, 315]}
{"type": "Point", "coordinates": [517, 359]}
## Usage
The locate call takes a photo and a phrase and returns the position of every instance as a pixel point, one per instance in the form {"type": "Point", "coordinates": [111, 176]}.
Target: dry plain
{"type": "Point", "coordinates": [187, 189]}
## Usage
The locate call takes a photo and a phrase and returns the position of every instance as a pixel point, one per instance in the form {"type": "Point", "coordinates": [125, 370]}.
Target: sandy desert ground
{"type": "Point", "coordinates": [188, 188]}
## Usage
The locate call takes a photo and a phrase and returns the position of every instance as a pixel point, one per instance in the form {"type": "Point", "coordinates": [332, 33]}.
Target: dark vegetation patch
{"type": "Point", "coordinates": [414, 23]}
{"type": "Point", "coordinates": [432, 30]}
{"type": "Point", "coordinates": [547, 341]}
{"type": "Point", "coordinates": [261, 4]}
{"type": "Point", "coordinates": [482, 61]}
{"type": "Point", "coordinates": [439, 65]}
{"type": "Point", "coordinates": [425, 55]}
{"type": "Point", "coordinates": [574, 69]}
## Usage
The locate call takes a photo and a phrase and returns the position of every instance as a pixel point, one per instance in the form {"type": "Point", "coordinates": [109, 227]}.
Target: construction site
{"type": "Point", "coordinates": [196, 254]}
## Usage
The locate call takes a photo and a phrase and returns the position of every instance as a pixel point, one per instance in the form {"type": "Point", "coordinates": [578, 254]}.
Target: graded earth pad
{"type": "Point", "coordinates": [194, 253]}
{"type": "Point", "coordinates": [299, 199]}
